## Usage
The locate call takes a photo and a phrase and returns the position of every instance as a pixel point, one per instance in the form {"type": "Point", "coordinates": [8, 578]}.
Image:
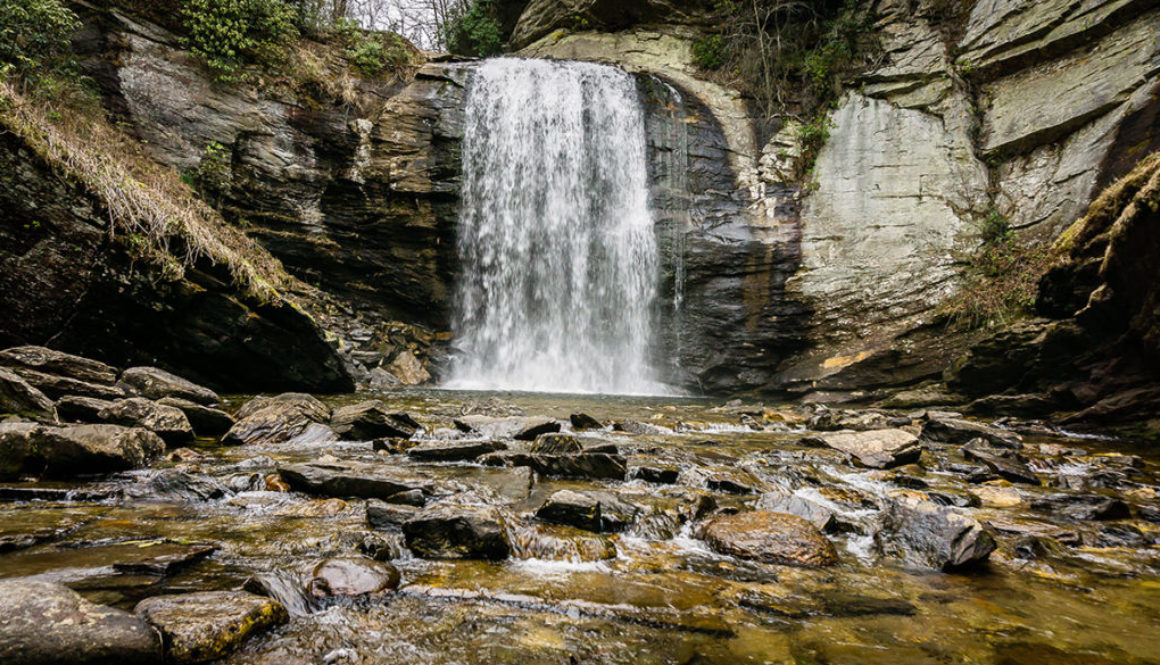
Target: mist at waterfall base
{"type": "Point", "coordinates": [559, 262]}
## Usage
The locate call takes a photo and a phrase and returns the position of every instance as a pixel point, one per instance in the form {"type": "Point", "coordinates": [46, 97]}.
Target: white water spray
{"type": "Point", "coordinates": [559, 260]}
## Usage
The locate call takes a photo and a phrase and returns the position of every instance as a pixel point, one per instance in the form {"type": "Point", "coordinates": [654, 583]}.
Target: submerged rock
{"type": "Point", "coordinates": [791, 504]}
{"type": "Point", "coordinates": [602, 512]}
{"type": "Point", "coordinates": [206, 421]}
{"type": "Point", "coordinates": [363, 481]}
{"type": "Point", "coordinates": [372, 420]}
{"type": "Point", "coordinates": [19, 397]}
{"type": "Point", "coordinates": [933, 536]}
{"type": "Point", "coordinates": [453, 451]}
{"type": "Point", "coordinates": [175, 484]}
{"type": "Point", "coordinates": [458, 532]}
{"type": "Point", "coordinates": [200, 627]}
{"type": "Point", "coordinates": [43, 623]}
{"type": "Point", "coordinates": [65, 452]}
{"type": "Point", "coordinates": [880, 449]}
{"type": "Point", "coordinates": [954, 430]}
{"type": "Point", "coordinates": [770, 537]}
{"type": "Point", "coordinates": [351, 577]}
{"type": "Point", "coordinates": [155, 383]}
{"type": "Point", "coordinates": [276, 419]}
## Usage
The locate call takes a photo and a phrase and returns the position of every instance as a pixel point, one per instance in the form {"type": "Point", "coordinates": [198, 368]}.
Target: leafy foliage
{"type": "Point", "coordinates": [709, 52]}
{"type": "Point", "coordinates": [214, 174]}
{"type": "Point", "coordinates": [373, 53]}
{"type": "Point", "coordinates": [230, 34]}
{"type": "Point", "coordinates": [34, 40]}
{"type": "Point", "coordinates": [1001, 279]}
{"type": "Point", "coordinates": [474, 30]}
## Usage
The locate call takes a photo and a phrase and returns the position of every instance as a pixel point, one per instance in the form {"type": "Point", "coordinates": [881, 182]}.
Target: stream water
{"type": "Point", "coordinates": [1076, 592]}
{"type": "Point", "coordinates": [559, 260]}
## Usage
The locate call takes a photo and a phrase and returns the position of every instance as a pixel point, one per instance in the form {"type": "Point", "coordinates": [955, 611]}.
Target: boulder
{"type": "Point", "coordinates": [372, 420]}
{"type": "Point", "coordinates": [64, 452]}
{"type": "Point", "coordinates": [205, 626]}
{"type": "Point", "coordinates": [43, 623]}
{"type": "Point", "coordinates": [182, 486]}
{"type": "Point", "coordinates": [955, 430]}
{"type": "Point", "coordinates": [879, 449]}
{"type": "Point", "coordinates": [48, 361]}
{"type": "Point", "coordinates": [933, 536]}
{"type": "Point", "coordinates": [348, 480]}
{"type": "Point", "coordinates": [80, 409]}
{"type": "Point", "coordinates": [351, 577]}
{"type": "Point", "coordinates": [1005, 463]}
{"type": "Point", "coordinates": [770, 537]}
{"type": "Point", "coordinates": [458, 532]}
{"type": "Point", "coordinates": [382, 515]}
{"type": "Point", "coordinates": [583, 421]}
{"type": "Point", "coordinates": [534, 429]}
{"type": "Point", "coordinates": [453, 451]}
{"type": "Point", "coordinates": [167, 422]}
{"type": "Point", "coordinates": [275, 419]}
{"type": "Point", "coordinates": [408, 369]}
{"type": "Point", "coordinates": [156, 383]}
{"type": "Point", "coordinates": [206, 421]}
{"type": "Point", "coordinates": [602, 512]}
{"type": "Point", "coordinates": [556, 444]}
{"type": "Point", "coordinates": [19, 397]}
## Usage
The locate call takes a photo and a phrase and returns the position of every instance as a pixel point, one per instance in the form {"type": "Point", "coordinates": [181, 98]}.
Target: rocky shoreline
{"type": "Point", "coordinates": [402, 497]}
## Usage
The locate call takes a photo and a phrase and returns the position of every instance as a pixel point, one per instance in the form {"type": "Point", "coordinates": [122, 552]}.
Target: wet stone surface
{"type": "Point", "coordinates": [655, 531]}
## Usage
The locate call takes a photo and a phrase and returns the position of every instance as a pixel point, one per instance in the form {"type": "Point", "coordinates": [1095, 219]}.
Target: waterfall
{"type": "Point", "coordinates": [559, 263]}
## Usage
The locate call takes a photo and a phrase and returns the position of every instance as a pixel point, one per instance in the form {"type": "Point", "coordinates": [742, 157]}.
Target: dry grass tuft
{"type": "Point", "coordinates": [156, 215]}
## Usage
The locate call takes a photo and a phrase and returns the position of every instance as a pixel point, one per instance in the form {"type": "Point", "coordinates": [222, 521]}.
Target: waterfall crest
{"type": "Point", "coordinates": [559, 262]}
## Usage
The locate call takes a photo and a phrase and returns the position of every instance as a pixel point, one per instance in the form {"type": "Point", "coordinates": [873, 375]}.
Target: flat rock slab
{"type": "Point", "coordinates": [167, 422]}
{"type": "Point", "coordinates": [49, 361]}
{"type": "Point", "coordinates": [351, 577]}
{"type": "Point", "coordinates": [454, 451]}
{"type": "Point", "coordinates": [1007, 464]}
{"type": "Point", "coordinates": [458, 532]}
{"type": "Point", "coordinates": [42, 623]}
{"type": "Point", "coordinates": [206, 421]}
{"type": "Point", "coordinates": [592, 466]}
{"type": "Point", "coordinates": [770, 537]}
{"type": "Point", "coordinates": [154, 383]}
{"type": "Point", "coordinates": [382, 515]}
{"type": "Point", "coordinates": [879, 449]}
{"type": "Point", "coordinates": [200, 627]}
{"type": "Point", "coordinates": [364, 481]}
{"type": "Point", "coordinates": [19, 397]}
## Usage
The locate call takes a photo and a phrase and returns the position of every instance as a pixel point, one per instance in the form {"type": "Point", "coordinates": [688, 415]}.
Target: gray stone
{"type": "Point", "coordinates": [534, 429]}
{"type": "Point", "coordinates": [19, 397]}
{"type": "Point", "coordinates": [65, 452]}
{"type": "Point", "coordinates": [167, 422]}
{"type": "Point", "coordinates": [78, 409]}
{"type": "Point", "coordinates": [276, 419]}
{"type": "Point", "coordinates": [382, 515]}
{"type": "Point", "coordinates": [49, 361]}
{"type": "Point", "coordinates": [453, 451]}
{"type": "Point", "coordinates": [926, 534]}
{"type": "Point", "coordinates": [879, 449]}
{"type": "Point", "coordinates": [602, 512]}
{"type": "Point", "coordinates": [458, 532]}
{"type": "Point", "coordinates": [372, 420]}
{"type": "Point", "coordinates": [43, 623]}
{"type": "Point", "coordinates": [155, 383]}
{"type": "Point", "coordinates": [556, 444]}
{"type": "Point", "coordinates": [1006, 464]}
{"type": "Point", "coordinates": [364, 481]}
{"type": "Point", "coordinates": [955, 430]}
{"type": "Point", "coordinates": [206, 421]}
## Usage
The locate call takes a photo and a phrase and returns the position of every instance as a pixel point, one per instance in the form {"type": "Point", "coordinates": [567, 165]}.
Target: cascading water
{"type": "Point", "coordinates": [559, 259]}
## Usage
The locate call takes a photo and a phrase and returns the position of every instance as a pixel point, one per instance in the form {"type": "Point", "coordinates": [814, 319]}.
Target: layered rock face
{"type": "Point", "coordinates": [1023, 108]}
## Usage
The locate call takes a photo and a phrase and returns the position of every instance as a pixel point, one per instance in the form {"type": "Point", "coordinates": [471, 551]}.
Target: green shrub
{"type": "Point", "coordinates": [373, 52]}
{"type": "Point", "coordinates": [214, 174]}
{"type": "Point", "coordinates": [474, 30]}
{"type": "Point", "coordinates": [34, 39]}
{"type": "Point", "coordinates": [229, 34]}
{"type": "Point", "coordinates": [709, 52]}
